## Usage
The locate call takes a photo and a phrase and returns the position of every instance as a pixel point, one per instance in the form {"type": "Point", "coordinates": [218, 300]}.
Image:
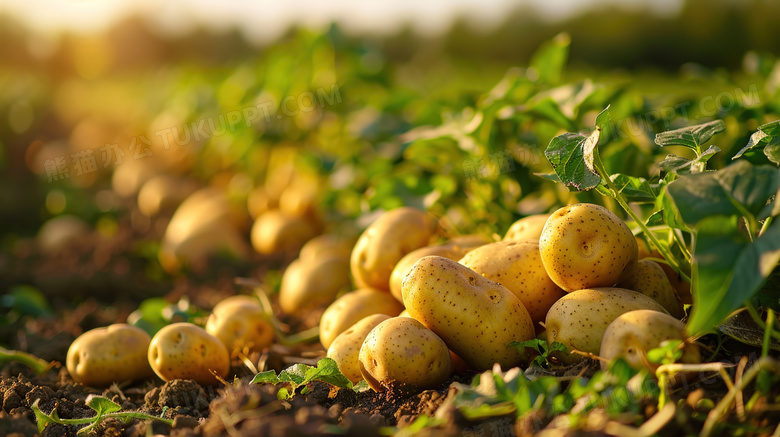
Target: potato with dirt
{"type": "Point", "coordinates": [634, 333]}
{"type": "Point", "coordinates": [186, 351]}
{"type": "Point", "coordinates": [385, 242]}
{"type": "Point", "coordinates": [527, 228]}
{"type": "Point", "coordinates": [476, 317]}
{"type": "Point", "coordinates": [517, 266]}
{"type": "Point", "coordinates": [586, 246]}
{"type": "Point", "coordinates": [648, 278]}
{"type": "Point", "coordinates": [579, 319]}
{"type": "Point", "coordinates": [351, 308]}
{"type": "Point", "coordinates": [110, 354]}
{"type": "Point", "coordinates": [313, 283]}
{"type": "Point", "coordinates": [240, 322]}
{"type": "Point", "coordinates": [345, 348]}
{"type": "Point", "coordinates": [402, 353]}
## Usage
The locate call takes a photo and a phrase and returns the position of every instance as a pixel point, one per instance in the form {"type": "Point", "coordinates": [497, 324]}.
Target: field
{"type": "Point", "coordinates": [148, 198]}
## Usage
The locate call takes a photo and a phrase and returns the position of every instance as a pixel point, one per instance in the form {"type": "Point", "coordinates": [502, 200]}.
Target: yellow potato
{"type": "Point", "coordinates": [681, 287]}
{"type": "Point", "coordinates": [163, 193]}
{"type": "Point", "coordinates": [351, 308]}
{"type": "Point", "coordinates": [239, 322]}
{"type": "Point", "coordinates": [586, 246]}
{"type": "Point", "coordinates": [327, 245]}
{"type": "Point", "coordinates": [385, 242]}
{"type": "Point", "coordinates": [527, 228]}
{"type": "Point", "coordinates": [475, 316]}
{"type": "Point", "coordinates": [275, 232]}
{"type": "Point", "coordinates": [579, 319]}
{"type": "Point", "coordinates": [401, 352]}
{"type": "Point", "coordinates": [345, 348]}
{"type": "Point", "coordinates": [467, 242]}
{"type": "Point", "coordinates": [517, 266]}
{"type": "Point", "coordinates": [634, 333]}
{"type": "Point", "coordinates": [111, 354]}
{"type": "Point", "coordinates": [259, 201]}
{"type": "Point", "coordinates": [648, 278]}
{"type": "Point", "coordinates": [187, 351]}
{"type": "Point", "coordinates": [405, 264]}
{"type": "Point", "coordinates": [312, 283]}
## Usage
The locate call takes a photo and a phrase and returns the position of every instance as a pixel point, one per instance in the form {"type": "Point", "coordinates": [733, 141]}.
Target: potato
{"type": "Point", "coordinates": [475, 316]}
{"type": "Point", "coordinates": [586, 246]}
{"type": "Point", "coordinates": [385, 242]}
{"type": "Point", "coordinates": [259, 201]}
{"type": "Point", "coordinates": [327, 245]}
{"type": "Point", "coordinates": [579, 319]}
{"type": "Point", "coordinates": [345, 348]}
{"type": "Point", "coordinates": [111, 354]}
{"type": "Point", "coordinates": [527, 228]}
{"type": "Point", "coordinates": [239, 322]}
{"type": "Point", "coordinates": [517, 266]}
{"type": "Point", "coordinates": [163, 193]}
{"type": "Point", "coordinates": [401, 352]}
{"type": "Point", "coordinates": [351, 308]}
{"type": "Point", "coordinates": [681, 287]}
{"type": "Point", "coordinates": [648, 278]}
{"type": "Point", "coordinates": [405, 264]}
{"type": "Point", "coordinates": [187, 351]}
{"type": "Point", "coordinates": [634, 333]}
{"type": "Point", "coordinates": [275, 232]}
{"type": "Point", "coordinates": [312, 283]}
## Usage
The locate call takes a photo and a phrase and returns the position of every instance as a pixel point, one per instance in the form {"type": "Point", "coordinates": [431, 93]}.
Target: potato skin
{"type": "Point", "coordinates": [634, 333]}
{"type": "Point", "coordinates": [327, 245]}
{"type": "Point", "coordinates": [403, 266]}
{"type": "Point", "coordinates": [648, 278]}
{"type": "Point", "coordinates": [527, 228]}
{"type": "Point", "coordinates": [113, 353]}
{"type": "Point", "coordinates": [345, 348]}
{"type": "Point", "coordinates": [403, 353]}
{"type": "Point", "coordinates": [580, 318]}
{"type": "Point", "coordinates": [239, 321]}
{"type": "Point", "coordinates": [187, 351]}
{"type": "Point", "coordinates": [275, 232]}
{"type": "Point", "coordinates": [517, 265]}
{"type": "Point", "coordinates": [312, 283]}
{"type": "Point", "coordinates": [351, 308]}
{"type": "Point", "coordinates": [385, 242]}
{"type": "Point", "coordinates": [475, 316]}
{"type": "Point", "coordinates": [586, 246]}
{"type": "Point", "coordinates": [681, 287]}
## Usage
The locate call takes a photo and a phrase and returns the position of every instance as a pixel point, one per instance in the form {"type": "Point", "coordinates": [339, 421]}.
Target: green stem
{"type": "Point", "coordinates": [38, 365]}
{"type": "Point", "coordinates": [664, 251]}
{"type": "Point", "coordinates": [765, 225]}
{"type": "Point", "coordinates": [681, 244]}
{"type": "Point", "coordinates": [770, 319]}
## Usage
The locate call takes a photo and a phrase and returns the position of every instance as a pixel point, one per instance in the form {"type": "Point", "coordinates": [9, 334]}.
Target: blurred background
{"type": "Point", "coordinates": [113, 113]}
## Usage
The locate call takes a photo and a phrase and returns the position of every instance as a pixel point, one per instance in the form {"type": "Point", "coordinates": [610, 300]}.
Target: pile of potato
{"type": "Point", "coordinates": [417, 309]}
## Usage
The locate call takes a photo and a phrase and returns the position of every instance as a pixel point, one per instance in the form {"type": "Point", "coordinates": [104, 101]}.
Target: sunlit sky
{"type": "Point", "coordinates": [263, 20]}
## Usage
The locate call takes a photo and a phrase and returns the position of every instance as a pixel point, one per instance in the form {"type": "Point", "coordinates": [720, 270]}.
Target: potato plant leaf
{"type": "Point", "coordinates": [679, 165]}
{"type": "Point", "coordinates": [550, 58]}
{"type": "Point", "coordinates": [632, 188]}
{"type": "Point", "coordinates": [692, 137]}
{"type": "Point", "coordinates": [768, 136]}
{"type": "Point", "coordinates": [301, 374]}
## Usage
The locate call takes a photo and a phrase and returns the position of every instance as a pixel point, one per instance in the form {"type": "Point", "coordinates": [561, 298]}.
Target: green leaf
{"type": "Point", "coordinates": [361, 386]}
{"type": "Point", "coordinates": [655, 219]}
{"type": "Point", "coordinates": [749, 186]}
{"type": "Point", "coordinates": [327, 371]}
{"type": "Point", "coordinates": [669, 352]}
{"type": "Point", "coordinates": [728, 269]}
{"type": "Point", "coordinates": [631, 188]}
{"type": "Point", "coordinates": [103, 405]}
{"type": "Point", "coordinates": [27, 300]}
{"type": "Point", "coordinates": [767, 135]}
{"type": "Point", "coordinates": [41, 418]}
{"type": "Point", "coordinates": [567, 157]}
{"type": "Point", "coordinates": [550, 58]}
{"type": "Point", "coordinates": [692, 137]}
{"type": "Point", "coordinates": [268, 376]}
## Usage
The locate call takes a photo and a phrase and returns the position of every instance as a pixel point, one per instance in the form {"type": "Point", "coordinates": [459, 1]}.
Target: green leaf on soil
{"type": "Point", "coordinates": [326, 371]}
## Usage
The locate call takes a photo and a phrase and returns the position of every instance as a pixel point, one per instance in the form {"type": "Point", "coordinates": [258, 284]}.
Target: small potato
{"type": "Point", "coordinates": [275, 232]}
{"type": "Point", "coordinates": [312, 283]}
{"type": "Point", "coordinates": [327, 245]}
{"type": "Point", "coordinates": [187, 351]}
{"type": "Point", "coordinates": [648, 278]}
{"type": "Point", "coordinates": [239, 322]}
{"type": "Point", "coordinates": [112, 354]}
{"type": "Point", "coordinates": [517, 266]}
{"type": "Point", "coordinates": [681, 287]}
{"type": "Point", "coordinates": [345, 348]}
{"type": "Point", "coordinates": [586, 246]}
{"type": "Point", "coordinates": [163, 193]}
{"type": "Point", "coordinates": [634, 333]}
{"type": "Point", "coordinates": [260, 201]}
{"type": "Point", "coordinates": [385, 242]}
{"type": "Point", "coordinates": [527, 228]}
{"type": "Point", "coordinates": [401, 352]}
{"type": "Point", "coordinates": [405, 264]}
{"type": "Point", "coordinates": [351, 308]}
{"type": "Point", "coordinates": [475, 316]}
{"type": "Point", "coordinates": [579, 319]}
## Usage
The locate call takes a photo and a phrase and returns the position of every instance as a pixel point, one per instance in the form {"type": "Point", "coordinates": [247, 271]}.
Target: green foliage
{"type": "Point", "coordinates": [299, 375]}
{"type": "Point", "coordinates": [38, 365]}
{"type": "Point", "coordinates": [104, 409]}
{"type": "Point", "coordinates": [546, 355]}
{"type": "Point", "coordinates": [20, 301]}
{"type": "Point", "coordinates": [155, 313]}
